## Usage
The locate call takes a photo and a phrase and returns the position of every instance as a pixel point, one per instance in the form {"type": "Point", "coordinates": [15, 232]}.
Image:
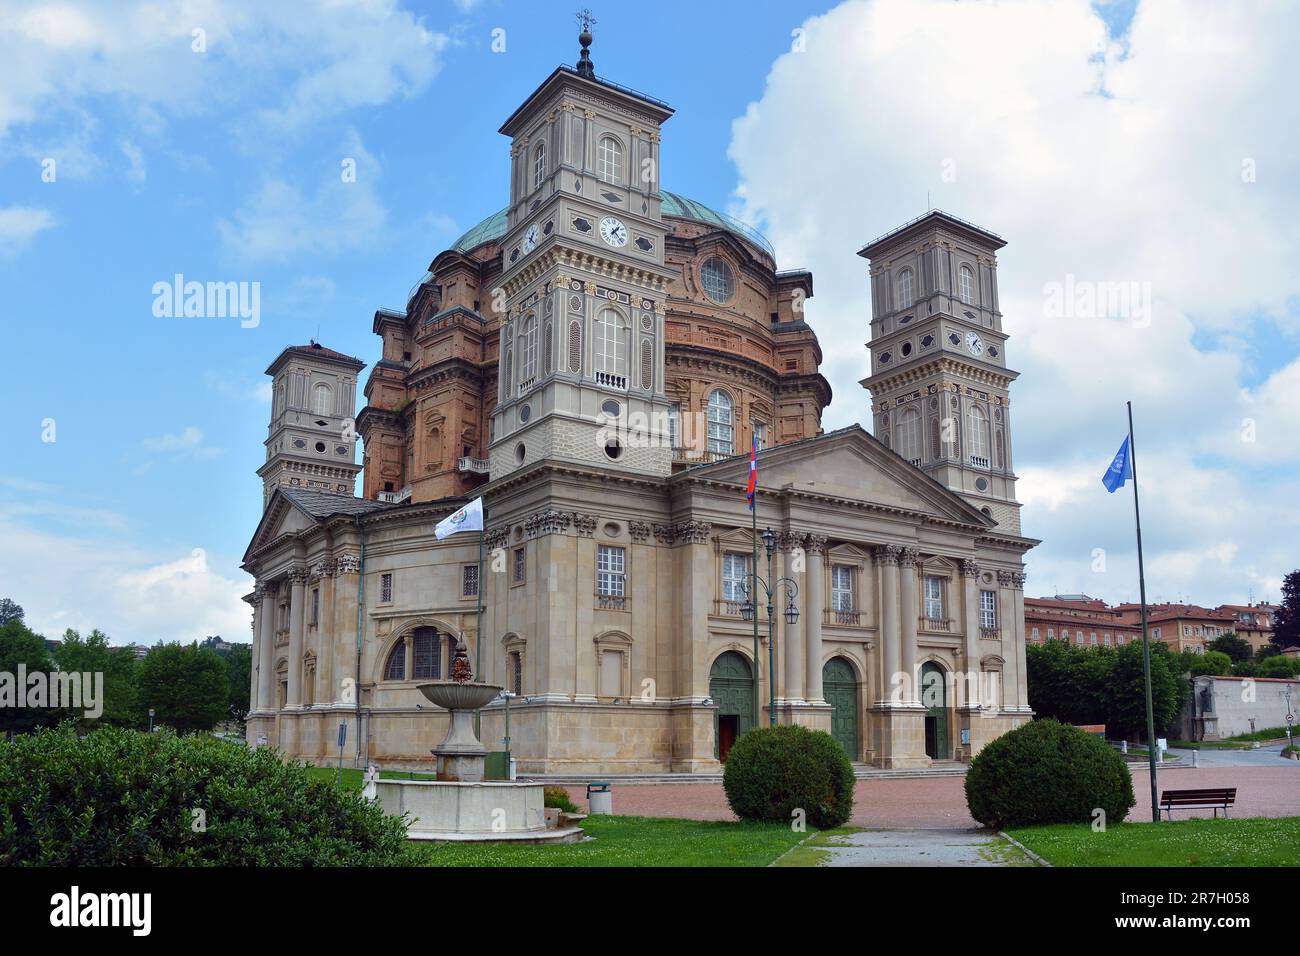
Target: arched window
{"type": "Point", "coordinates": [905, 291]}
{"type": "Point", "coordinates": [539, 165]}
{"type": "Point", "coordinates": [395, 669]}
{"type": "Point", "coordinates": [528, 349]}
{"type": "Point", "coordinates": [609, 160]}
{"type": "Point", "coordinates": [610, 353]}
{"type": "Point", "coordinates": [720, 422]}
{"type": "Point", "coordinates": [320, 400]}
{"type": "Point", "coordinates": [978, 439]}
{"type": "Point", "coordinates": [907, 436]}
{"type": "Point", "coordinates": [966, 285]}
{"type": "Point", "coordinates": [426, 654]}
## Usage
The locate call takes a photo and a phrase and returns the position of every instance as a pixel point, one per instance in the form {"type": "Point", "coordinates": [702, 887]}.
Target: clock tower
{"type": "Point", "coordinates": [582, 291]}
{"type": "Point", "coordinates": [939, 377]}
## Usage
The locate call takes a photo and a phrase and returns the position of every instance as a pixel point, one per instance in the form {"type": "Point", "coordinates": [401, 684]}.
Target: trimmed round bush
{"type": "Point", "coordinates": [1047, 772]}
{"type": "Point", "coordinates": [125, 798]}
{"type": "Point", "coordinates": [772, 771]}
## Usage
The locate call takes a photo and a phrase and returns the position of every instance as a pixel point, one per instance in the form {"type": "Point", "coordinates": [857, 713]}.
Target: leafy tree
{"type": "Point", "coordinates": [1246, 669]}
{"type": "Point", "coordinates": [1267, 650]}
{"type": "Point", "coordinates": [9, 611]}
{"type": "Point", "coordinates": [1235, 647]}
{"type": "Point", "coordinates": [239, 667]}
{"type": "Point", "coordinates": [1279, 666]}
{"type": "Point", "coordinates": [20, 645]}
{"type": "Point", "coordinates": [1286, 622]}
{"type": "Point", "coordinates": [187, 685]}
{"type": "Point", "coordinates": [1216, 663]}
{"type": "Point", "coordinates": [1126, 690]}
{"type": "Point", "coordinates": [93, 654]}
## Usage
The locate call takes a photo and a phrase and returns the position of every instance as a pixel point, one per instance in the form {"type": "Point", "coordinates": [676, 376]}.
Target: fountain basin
{"type": "Point", "coordinates": [453, 695]}
{"type": "Point", "coordinates": [472, 812]}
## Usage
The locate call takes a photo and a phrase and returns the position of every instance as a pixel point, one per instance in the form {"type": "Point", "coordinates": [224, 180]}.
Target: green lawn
{"type": "Point", "coordinates": [616, 841]}
{"type": "Point", "coordinates": [635, 841]}
{"type": "Point", "coordinates": [1255, 841]}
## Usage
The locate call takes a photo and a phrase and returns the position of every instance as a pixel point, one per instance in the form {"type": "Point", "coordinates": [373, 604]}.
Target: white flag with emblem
{"type": "Point", "coordinates": [469, 518]}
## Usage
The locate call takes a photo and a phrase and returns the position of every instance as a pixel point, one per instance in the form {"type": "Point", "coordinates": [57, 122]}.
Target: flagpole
{"type": "Point", "coordinates": [1146, 640]}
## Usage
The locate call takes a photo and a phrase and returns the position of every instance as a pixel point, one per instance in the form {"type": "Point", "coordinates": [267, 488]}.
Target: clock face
{"type": "Point", "coordinates": [974, 344]}
{"type": "Point", "coordinates": [530, 238]}
{"type": "Point", "coordinates": [613, 231]}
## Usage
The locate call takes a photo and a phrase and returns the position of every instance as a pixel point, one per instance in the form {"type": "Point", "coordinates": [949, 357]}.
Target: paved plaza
{"type": "Point", "coordinates": [940, 803]}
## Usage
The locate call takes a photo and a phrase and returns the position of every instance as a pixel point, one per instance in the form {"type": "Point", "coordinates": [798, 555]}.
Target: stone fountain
{"type": "Point", "coordinates": [460, 805]}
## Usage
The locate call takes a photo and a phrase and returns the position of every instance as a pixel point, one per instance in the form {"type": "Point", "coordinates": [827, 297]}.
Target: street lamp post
{"type": "Point", "coordinates": [150, 720]}
{"type": "Point", "coordinates": [749, 611]}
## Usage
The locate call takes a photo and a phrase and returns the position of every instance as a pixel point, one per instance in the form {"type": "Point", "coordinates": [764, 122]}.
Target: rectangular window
{"type": "Point", "coordinates": [385, 588]}
{"type": "Point", "coordinates": [1034, 634]}
{"type": "Point", "coordinates": [610, 565]}
{"type": "Point", "coordinates": [760, 434]}
{"type": "Point", "coordinates": [1051, 633]}
{"type": "Point", "coordinates": [519, 566]}
{"type": "Point", "coordinates": [1094, 637]}
{"type": "Point", "coordinates": [674, 425]}
{"type": "Point", "coordinates": [315, 606]}
{"type": "Point", "coordinates": [933, 597]}
{"type": "Point", "coordinates": [988, 609]}
{"type": "Point", "coordinates": [469, 580]}
{"type": "Point", "coordinates": [841, 587]}
{"type": "Point", "coordinates": [516, 673]}
{"type": "Point", "coordinates": [735, 577]}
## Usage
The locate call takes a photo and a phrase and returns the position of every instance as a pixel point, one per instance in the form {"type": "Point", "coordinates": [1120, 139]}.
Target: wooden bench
{"type": "Point", "coordinates": [1216, 799]}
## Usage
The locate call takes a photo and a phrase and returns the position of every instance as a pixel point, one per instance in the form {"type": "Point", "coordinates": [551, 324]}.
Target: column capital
{"type": "Point", "coordinates": [789, 540]}
{"type": "Point", "coordinates": [347, 564]}
{"type": "Point", "coordinates": [816, 544]}
{"type": "Point", "coordinates": [664, 533]}
{"type": "Point", "coordinates": [692, 532]}
{"type": "Point", "coordinates": [639, 531]}
{"type": "Point", "coordinates": [908, 557]}
{"type": "Point", "coordinates": [1011, 579]}
{"type": "Point", "coordinates": [323, 569]}
{"type": "Point", "coordinates": [969, 569]}
{"type": "Point", "coordinates": [886, 554]}
{"type": "Point", "coordinates": [298, 577]}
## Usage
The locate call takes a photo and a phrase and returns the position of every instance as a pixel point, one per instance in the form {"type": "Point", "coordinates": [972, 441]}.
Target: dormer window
{"type": "Point", "coordinates": [609, 160]}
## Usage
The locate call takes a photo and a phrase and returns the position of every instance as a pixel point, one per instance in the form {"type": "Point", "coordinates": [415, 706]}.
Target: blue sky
{"type": "Point", "coordinates": [224, 165]}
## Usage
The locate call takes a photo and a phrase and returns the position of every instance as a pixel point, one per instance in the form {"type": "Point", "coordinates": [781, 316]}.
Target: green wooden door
{"type": "Point", "coordinates": [840, 688]}
{"type": "Point", "coordinates": [731, 685]}
{"type": "Point", "coordinates": [934, 696]}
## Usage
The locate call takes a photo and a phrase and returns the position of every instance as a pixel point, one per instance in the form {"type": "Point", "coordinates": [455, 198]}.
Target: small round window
{"type": "Point", "coordinates": [525, 413]}
{"type": "Point", "coordinates": [613, 449]}
{"type": "Point", "coordinates": [611, 408]}
{"type": "Point", "coordinates": [717, 279]}
{"type": "Point", "coordinates": [320, 446]}
{"type": "Point", "coordinates": [519, 452]}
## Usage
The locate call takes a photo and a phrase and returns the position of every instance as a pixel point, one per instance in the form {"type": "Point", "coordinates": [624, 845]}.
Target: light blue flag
{"type": "Point", "coordinates": [1120, 470]}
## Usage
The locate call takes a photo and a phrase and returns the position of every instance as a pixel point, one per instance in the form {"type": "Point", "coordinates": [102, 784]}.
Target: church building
{"type": "Point", "coordinates": [596, 361]}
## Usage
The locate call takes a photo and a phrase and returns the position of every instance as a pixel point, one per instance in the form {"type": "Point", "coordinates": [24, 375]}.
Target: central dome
{"type": "Point", "coordinates": [674, 206]}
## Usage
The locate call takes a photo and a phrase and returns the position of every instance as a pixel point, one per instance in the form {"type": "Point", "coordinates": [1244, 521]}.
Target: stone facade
{"type": "Point", "coordinates": [615, 585]}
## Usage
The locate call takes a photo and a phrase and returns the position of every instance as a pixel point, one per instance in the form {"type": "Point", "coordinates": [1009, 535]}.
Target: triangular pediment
{"type": "Point", "coordinates": [282, 516]}
{"type": "Point", "coordinates": [846, 464]}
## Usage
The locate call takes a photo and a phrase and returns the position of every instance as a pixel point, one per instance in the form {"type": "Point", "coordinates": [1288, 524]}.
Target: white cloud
{"type": "Point", "coordinates": [281, 221]}
{"type": "Point", "coordinates": [187, 443]}
{"type": "Point", "coordinates": [1171, 162]}
{"type": "Point", "coordinates": [299, 62]}
{"type": "Point", "coordinates": [132, 595]}
{"type": "Point", "coordinates": [136, 170]}
{"type": "Point", "coordinates": [20, 224]}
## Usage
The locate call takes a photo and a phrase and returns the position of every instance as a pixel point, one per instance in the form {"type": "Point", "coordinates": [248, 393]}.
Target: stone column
{"type": "Point", "coordinates": [327, 688]}
{"type": "Point", "coordinates": [908, 612]}
{"type": "Point", "coordinates": [408, 655]}
{"type": "Point", "coordinates": [255, 602]}
{"type": "Point", "coordinates": [266, 650]}
{"type": "Point", "coordinates": [971, 633]}
{"type": "Point", "coordinates": [795, 647]}
{"type": "Point", "coordinates": [885, 558]}
{"type": "Point", "coordinates": [816, 548]}
{"type": "Point", "coordinates": [347, 567]}
{"type": "Point", "coordinates": [1007, 631]}
{"type": "Point", "coordinates": [695, 565]}
{"type": "Point", "coordinates": [1022, 679]}
{"type": "Point", "coordinates": [298, 585]}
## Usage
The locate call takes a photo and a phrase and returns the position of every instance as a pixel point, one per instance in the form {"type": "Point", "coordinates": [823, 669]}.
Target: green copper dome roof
{"type": "Point", "coordinates": [675, 205]}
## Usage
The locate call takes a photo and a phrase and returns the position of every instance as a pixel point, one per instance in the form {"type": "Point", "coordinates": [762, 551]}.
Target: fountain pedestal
{"type": "Point", "coordinates": [460, 805]}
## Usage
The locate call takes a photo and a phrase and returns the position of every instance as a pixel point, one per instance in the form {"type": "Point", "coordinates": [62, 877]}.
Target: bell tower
{"type": "Point", "coordinates": [939, 377]}
{"type": "Point", "coordinates": [581, 374]}
{"type": "Point", "coordinates": [312, 441]}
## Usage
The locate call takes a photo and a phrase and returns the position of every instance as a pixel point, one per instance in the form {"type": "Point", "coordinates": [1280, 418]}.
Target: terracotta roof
{"type": "Point", "coordinates": [317, 351]}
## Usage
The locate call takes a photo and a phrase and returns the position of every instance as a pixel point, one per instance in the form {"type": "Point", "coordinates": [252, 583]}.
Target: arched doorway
{"type": "Point", "coordinates": [840, 688]}
{"type": "Point", "coordinates": [934, 697]}
{"type": "Point", "coordinates": [731, 685]}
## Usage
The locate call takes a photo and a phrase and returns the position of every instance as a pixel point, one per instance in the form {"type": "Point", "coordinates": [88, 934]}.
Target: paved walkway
{"type": "Point", "coordinates": [940, 803]}
{"type": "Point", "coordinates": [907, 848]}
